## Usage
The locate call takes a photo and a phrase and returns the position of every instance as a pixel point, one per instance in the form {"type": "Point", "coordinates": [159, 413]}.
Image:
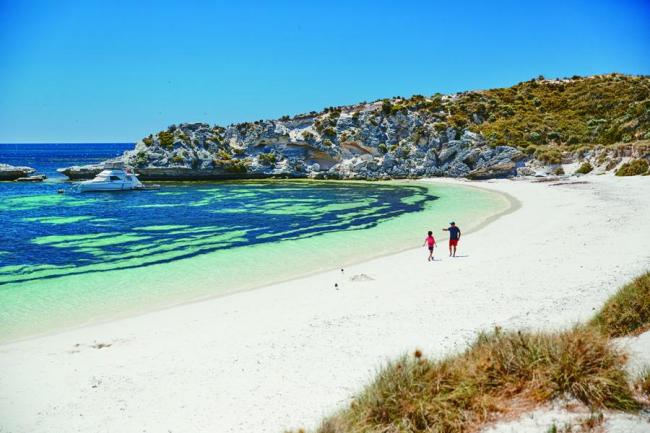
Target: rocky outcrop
{"type": "Point", "coordinates": [520, 130]}
{"type": "Point", "coordinates": [497, 171]}
{"type": "Point", "coordinates": [81, 172]}
{"type": "Point", "coordinates": [10, 172]}
{"type": "Point", "coordinates": [352, 143]}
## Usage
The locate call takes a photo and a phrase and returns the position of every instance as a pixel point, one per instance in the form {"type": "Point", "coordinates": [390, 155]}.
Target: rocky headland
{"type": "Point", "coordinates": [537, 127]}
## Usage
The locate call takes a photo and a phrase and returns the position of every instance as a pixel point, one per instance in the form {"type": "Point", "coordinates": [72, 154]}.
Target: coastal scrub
{"type": "Point", "coordinates": [628, 311]}
{"type": "Point", "coordinates": [463, 391]}
{"type": "Point", "coordinates": [633, 168]}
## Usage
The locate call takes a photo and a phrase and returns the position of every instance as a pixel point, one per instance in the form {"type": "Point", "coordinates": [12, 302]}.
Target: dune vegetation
{"type": "Point", "coordinates": [635, 167]}
{"type": "Point", "coordinates": [504, 372]}
{"type": "Point", "coordinates": [628, 311]}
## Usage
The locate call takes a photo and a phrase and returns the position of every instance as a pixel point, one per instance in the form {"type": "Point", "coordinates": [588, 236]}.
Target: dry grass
{"type": "Point", "coordinates": [464, 391]}
{"type": "Point", "coordinates": [642, 384]}
{"type": "Point", "coordinates": [628, 311]}
{"type": "Point", "coordinates": [592, 422]}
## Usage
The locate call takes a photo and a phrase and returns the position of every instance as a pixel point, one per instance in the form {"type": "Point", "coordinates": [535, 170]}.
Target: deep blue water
{"type": "Point", "coordinates": [46, 158]}
{"type": "Point", "coordinates": [48, 235]}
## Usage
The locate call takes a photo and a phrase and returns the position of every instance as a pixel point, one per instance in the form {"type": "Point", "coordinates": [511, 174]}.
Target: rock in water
{"type": "Point", "coordinates": [10, 172]}
{"type": "Point", "coordinates": [82, 172]}
{"type": "Point", "coordinates": [37, 178]}
{"type": "Point", "coordinates": [499, 171]}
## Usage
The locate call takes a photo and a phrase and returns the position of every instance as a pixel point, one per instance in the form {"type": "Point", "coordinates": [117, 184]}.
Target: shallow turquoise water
{"type": "Point", "coordinates": [71, 259]}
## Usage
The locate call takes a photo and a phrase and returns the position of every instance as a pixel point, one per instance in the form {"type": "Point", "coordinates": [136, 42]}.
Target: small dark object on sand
{"type": "Point", "coordinates": [341, 269]}
{"type": "Point", "coordinates": [336, 285]}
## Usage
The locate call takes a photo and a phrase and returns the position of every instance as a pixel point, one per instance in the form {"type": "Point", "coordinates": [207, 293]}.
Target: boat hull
{"type": "Point", "coordinates": [108, 186]}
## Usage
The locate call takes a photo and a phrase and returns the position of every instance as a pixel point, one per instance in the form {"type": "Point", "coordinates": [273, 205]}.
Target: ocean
{"type": "Point", "coordinates": [77, 258]}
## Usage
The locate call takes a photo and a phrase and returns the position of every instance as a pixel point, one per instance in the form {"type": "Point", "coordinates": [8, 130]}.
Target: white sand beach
{"type": "Point", "coordinates": [285, 355]}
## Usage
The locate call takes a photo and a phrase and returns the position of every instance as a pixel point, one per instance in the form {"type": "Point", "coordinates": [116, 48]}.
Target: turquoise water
{"type": "Point", "coordinates": [72, 259]}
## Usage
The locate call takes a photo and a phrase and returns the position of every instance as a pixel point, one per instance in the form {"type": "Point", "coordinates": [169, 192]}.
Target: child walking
{"type": "Point", "coordinates": [430, 242]}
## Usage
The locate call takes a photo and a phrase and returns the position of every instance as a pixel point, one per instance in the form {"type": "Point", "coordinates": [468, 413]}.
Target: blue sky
{"type": "Point", "coordinates": [103, 71]}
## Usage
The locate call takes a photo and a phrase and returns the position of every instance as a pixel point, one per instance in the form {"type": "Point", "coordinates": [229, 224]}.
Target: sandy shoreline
{"type": "Point", "coordinates": [285, 355]}
{"type": "Point", "coordinates": [168, 285]}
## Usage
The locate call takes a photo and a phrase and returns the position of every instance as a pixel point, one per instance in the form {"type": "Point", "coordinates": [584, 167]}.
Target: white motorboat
{"type": "Point", "coordinates": [111, 179]}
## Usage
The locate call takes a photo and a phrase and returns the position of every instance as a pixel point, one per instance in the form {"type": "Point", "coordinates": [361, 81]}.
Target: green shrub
{"type": "Point", "coordinates": [549, 156]}
{"type": "Point", "coordinates": [267, 158]}
{"type": "Point", "coordinates": [329, 132]}
{"type": "Point", "coordinates": [558, 171]}
{"type": "Point", "coordinates": [236, 166]}
{"type": "Point", "coordinates": [584, 168]}
{"type": "Point", "coordinates": [633, 168]}
{"type": "Point", "coordinates": [141, 158]}
{"type": "Point", "coordinates": [166, 139]}
{"type": "Point", "coordinates": [382, 148]}
{"type": "Point", "coordinates": [148, 141]}
{"type": "Point", "coordinates": [307, 136]}
{"type": "Point", "coordinates": [386, 107]}
{"type": "Point", "coordinates": [222, 154]}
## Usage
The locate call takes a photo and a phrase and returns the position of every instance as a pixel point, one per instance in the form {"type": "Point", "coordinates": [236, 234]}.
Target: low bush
{"type": "Point", "coordinates": [166, 139]}
{"type": "Point", "coordinates": [267, 158]}
{"type": "Point", "coordinates": [236, 166]}
{"type": "Point", "coordinates": [329, 132]}
{"type": "Point", "coordinates": [584, 168]}
{"type": "Point", "coordinates": [141, 159]}
{"type": "Point", "coordinates": [549, 156]}
{"type": "Point", "coordinates": [222, 154]}
{"type": "Point", "coordinates": [633, 168]}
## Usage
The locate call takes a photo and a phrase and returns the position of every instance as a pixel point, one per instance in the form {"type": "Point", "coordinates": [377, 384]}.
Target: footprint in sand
{"type": "Point", "coordinates": [361, 277]}
{"type": "Point", "coordinates": [95, 345]}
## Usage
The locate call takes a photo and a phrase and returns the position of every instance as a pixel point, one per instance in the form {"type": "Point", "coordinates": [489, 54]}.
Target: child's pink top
{"type": "Point", "coordinates": [430, 241]}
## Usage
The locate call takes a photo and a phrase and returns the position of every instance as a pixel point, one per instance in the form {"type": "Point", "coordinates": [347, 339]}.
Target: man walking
{"type": "Point", "coordinates": [454, 237]}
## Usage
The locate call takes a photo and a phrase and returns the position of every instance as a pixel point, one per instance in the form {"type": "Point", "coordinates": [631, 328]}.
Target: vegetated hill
{"type": "Point", "coordinates": [522, 129]}
{"type": "Point", "coordinates": [604, 110]}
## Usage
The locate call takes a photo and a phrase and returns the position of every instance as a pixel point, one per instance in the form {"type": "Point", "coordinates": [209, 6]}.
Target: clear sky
{"type": "Point", "coordinates": [111, 70]}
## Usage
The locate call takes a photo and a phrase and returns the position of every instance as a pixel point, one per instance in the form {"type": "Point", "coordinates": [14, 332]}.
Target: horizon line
{"type": "Point", "coordinates": [70, 142]}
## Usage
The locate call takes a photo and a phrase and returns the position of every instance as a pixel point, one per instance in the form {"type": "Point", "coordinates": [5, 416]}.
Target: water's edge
{"type": "Point", "coordinates": [512, 205]}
